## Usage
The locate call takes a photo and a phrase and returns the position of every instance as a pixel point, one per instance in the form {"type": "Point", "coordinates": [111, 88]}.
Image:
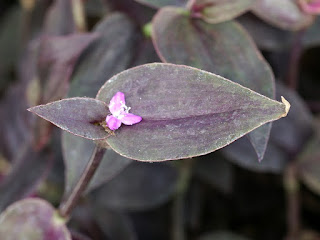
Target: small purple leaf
{"type": "Point", "coordinates": [32, 219]}
{"type": "Point", "coordinates": [79, 116]}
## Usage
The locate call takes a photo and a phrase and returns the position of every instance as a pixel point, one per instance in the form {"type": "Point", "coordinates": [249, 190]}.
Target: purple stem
{"type": "Point", "coordinates": [67, 206]}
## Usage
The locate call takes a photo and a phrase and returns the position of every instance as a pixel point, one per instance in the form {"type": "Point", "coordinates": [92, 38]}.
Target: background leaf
{"type": "Point", "coordinates": [110, 54]}
{"type": "Point", "coordinates": [222, 236]}
{"type": "Point", "coordinates": [162, 3]}
{"type": "Point", "coordinates": [188, 112]}
{"type": "Point", "coordinates": [29, 170]}
{"type": "Point", "coordinates": [140, 186]}
{"type": "Point", "coordinates": [76, 154]}
{"type": "Point", "coordinates": [285, 14]}
{"type": "Point", "coordinates": [79, 116]}
{"type": "Point", "coordinates": [216, 11]}
{"type": "Point", "coordinates": [181, 40]}
{"type": "Point", "coordinates": [32, 219]}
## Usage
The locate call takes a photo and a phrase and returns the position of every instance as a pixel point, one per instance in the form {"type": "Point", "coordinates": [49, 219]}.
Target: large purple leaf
{"type": "Point", "coordinates": [77, 152]}
{"type": "Point", "coordinates": [79, 116]}
{"type": "Point", "coordinates": [285, 14]}
{"type": "Point", "coordinates": [186, 111]}
{"type": "Point", "coordinates": [216, 11]}
{"type": "Point", "coordinates": [32, 219]}
{"type": "Point", "coordinates": [140, 186]}
{"type": "Point", "coordinates": [107, 56]}
{"type": "Point", "coordinates": [224, 49]}
{"type": "Point", "coordinates": [163, 3]}
{"type": "Point", "coordinates": [57, 56]}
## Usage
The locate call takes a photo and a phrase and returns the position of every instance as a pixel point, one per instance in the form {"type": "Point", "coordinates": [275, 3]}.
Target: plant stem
{"type": "Point", "coordinates": [67, 206]}
{"type": "Point", "coordinates": [294, 59]}
{"type": "Point", "coordinates": [178, 202]}
{"type": "Point", "coordinates": [79, 15]}
{"type": "Point", "coordinates": [291, 185]}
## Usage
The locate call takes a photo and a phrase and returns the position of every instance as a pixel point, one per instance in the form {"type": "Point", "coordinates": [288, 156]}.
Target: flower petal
{"type": "Point", "coordinates": [116, 103]}
{"type": "Point", "coordinates": [113, 122]}
{"type": "Point", "coordinates": [130, 119]}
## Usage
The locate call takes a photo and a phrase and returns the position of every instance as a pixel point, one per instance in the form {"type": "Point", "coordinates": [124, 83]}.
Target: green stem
{"type": "Point", "coordinates": [178, 232]}
{"type": "Point", "coordinates": [67, 206]}
{"type": "Point", "coordinates": [291, 185]}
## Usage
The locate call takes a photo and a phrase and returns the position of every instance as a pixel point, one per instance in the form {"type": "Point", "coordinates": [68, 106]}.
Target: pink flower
{"type": "Point", "coordinates": [310, 6]}
{"type": "Point", "coordinates": [120, 113]}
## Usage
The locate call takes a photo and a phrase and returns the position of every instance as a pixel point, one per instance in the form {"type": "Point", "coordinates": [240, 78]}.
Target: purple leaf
{"type": "Point", "coordinates": [186, 112]}
{"type": "Point", "coordinates": [32, 219]}
{"type": "Point", "coordinates": [79, 116]}
{"type": "Point", "coordinates": [286, 15]}
{"type": "Point", "coordinates": [224, 49]}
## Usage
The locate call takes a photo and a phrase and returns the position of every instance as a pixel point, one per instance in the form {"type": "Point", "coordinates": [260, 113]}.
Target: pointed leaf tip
{"type": "Point", "coordinates": [286, 104]}
{"type": "Point", "coordinates": [76, 115]}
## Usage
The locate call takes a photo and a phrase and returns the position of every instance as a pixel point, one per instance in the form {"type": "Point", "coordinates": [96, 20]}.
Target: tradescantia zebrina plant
{"type": "Point", "coordinates": [177, 112]}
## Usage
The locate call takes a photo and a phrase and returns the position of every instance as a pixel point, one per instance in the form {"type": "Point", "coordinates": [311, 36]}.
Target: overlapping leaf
{"type": "Point", "coordinates": [32, 219]}
{"type": "Point", "coordinates": [224, 49]}
{"type": "Point", "coordinates": [216, 11]}
{"type": "Point", "coordinates": [285, 14]}
{"type": "Point", "coordinates": [186, 112]}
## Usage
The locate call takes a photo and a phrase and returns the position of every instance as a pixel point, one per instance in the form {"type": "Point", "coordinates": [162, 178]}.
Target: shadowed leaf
{"type": "Point", "coordinates": [27, 173]}
{"type": "Point", "coordinates": [77, 152]}
{"type": "Point", "coordinates": [216, 11]}
{"type": "Point", "coordinates": [285, 14]}
{"type": "Point", "coordinates": [216, 171]}
{"type": "Point", "coordinates": [59, 19]}
{"type": "Point", "coordinates": [57, 56]}
{"type": "Point", "coordinates": [107, 56]}
{"type": "Point", "coordinates": [138, 187]}
{"type": "Point", "coordinates": [113, 224]}
{"type": "Point", "coordinates": [163, 3]}
{"type": "Point", "coordinates": [32, 219]}
{"type": "Point", "coordinates": [221, 236]}
{"type": "Point", "coordinates": [224, 49]}
{"type": "Point", "coordinates": [79, 116]}
{"type": "Point", "coordinates": [186, 112]}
